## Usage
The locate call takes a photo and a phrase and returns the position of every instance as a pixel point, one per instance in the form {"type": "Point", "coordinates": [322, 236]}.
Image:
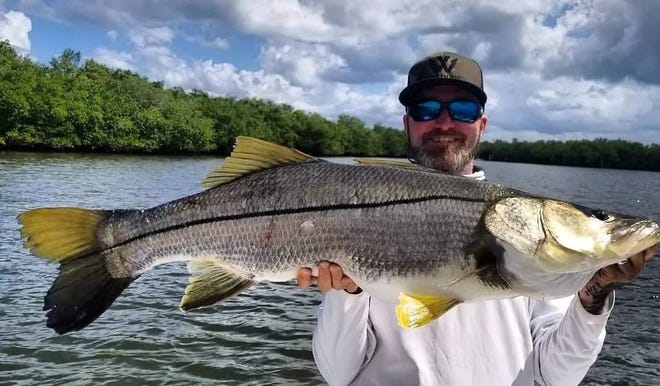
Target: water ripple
{"type": "Point", "coordinates": [262, 336]}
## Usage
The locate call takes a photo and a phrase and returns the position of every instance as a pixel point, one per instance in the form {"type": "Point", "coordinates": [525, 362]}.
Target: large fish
{"type": "Point", "coordinates": [407, 234]}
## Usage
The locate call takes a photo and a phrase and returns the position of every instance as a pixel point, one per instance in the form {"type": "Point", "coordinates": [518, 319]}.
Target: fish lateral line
{"type": "Point", "coordinates": [284, 212]}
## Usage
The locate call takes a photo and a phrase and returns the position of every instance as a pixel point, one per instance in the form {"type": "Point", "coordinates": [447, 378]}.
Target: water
{"type": "Point", "coordinates": [262, 336]}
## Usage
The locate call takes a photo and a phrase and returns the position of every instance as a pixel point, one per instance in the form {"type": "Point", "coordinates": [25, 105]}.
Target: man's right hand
{"type": "Point", "coordinates": [330, 276]}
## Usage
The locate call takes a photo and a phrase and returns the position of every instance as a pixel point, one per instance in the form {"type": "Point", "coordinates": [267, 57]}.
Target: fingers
{"type": "Point", "coordinates": [304, 277]}
{"type": "Point", "coordinates": [628, 269]}
{"type": "Point", "coordinates": [348, 284]}
{"type": "Point", "coordinates": [330, 276]}
{"type": "Point", "coordinates": [650, 252]}
{"type": "Point", "coordinates": [637, 262]}
{"type": "Point", "coordinates": [324, 279]}
{"type": "Point", "coordinates": [336, 274]}
{"type": "Point", "coordinates": [613, 276]}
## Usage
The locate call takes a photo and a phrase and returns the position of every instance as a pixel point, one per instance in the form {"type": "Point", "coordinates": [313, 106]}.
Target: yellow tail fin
{"type": "Point", "coordinates": [60, 234]}
{"type": "Point", "coordinates": [83, 288]}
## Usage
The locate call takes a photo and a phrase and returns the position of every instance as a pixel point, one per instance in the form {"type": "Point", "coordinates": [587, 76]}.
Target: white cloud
{"type": "Point", "coordinates": [304, 64]}
{"type": "Point", "coordinates": [553, 68]}
{"type": "Point", "coordinates": [15, 28]}
{"type": "Point", "coordinates": [114, 59]}
{"type": "Point", "coordinates": [285, 18]}
{"type": "Point", "coordinates": [113, 35]}
{"type": "Point", "coordinates": [144, 37]}
{"type": "Point", "coordinates": [220, 43]}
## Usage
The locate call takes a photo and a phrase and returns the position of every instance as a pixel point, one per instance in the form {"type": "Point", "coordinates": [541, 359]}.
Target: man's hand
{"type": "Point", "coordinates": [593, 294]}
{"type": "Point", "coordinates": [330, 276]}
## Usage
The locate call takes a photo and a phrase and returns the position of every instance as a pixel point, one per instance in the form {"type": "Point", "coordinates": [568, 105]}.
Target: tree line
{"type": "Point", "coordinates": [598, 153]}
{"type": "Point", "coordinates": [68, 105]}
{"type": "Point", "coordinates": [73, 106]}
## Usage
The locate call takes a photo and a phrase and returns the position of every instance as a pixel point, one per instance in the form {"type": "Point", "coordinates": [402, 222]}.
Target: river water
{"type": "Point", "coordinates": [262, 336]}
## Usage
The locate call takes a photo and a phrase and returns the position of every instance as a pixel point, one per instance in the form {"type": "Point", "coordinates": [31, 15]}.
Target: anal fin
{"type": "Point", "coordinates": [418, 310]}
{"type": "Point", "coordinates": [211, 282]}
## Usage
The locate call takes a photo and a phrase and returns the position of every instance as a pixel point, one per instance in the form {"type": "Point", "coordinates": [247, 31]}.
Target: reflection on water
{"type": "Point", "coordinates": [264, 335]}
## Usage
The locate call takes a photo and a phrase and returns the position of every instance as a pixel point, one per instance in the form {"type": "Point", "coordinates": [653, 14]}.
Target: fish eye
{"type": "Point", "coordinates": [600, 215]}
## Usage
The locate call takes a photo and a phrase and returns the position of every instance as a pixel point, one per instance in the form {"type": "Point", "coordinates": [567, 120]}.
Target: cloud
{"type": "Point", "coordinates": [219, 43]}
{"type": "Point", "coordinates": [113, 35]}
{"type": "Point", "coordinates": [114, 59]}
{"type": "Point", "coordinates": [304, 64]}
{"type": "Point", "coordinates": [565, 108]}
{"type": "Point", "coordinates": [327, 98]}
{"type": "Point", "coordinates": [609, 40]}
{"type": "Point", "coordinates": [15, 27]}
{"type": "Point", "coordinates": [553, 68]}
{"type": "Point", "coordinates": [143, 37]}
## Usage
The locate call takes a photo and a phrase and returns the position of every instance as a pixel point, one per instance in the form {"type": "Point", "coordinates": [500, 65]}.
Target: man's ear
{"type": "Point", "coordinates": [483, 124]}
{"type": "Point", "coordinates": [405, 124]}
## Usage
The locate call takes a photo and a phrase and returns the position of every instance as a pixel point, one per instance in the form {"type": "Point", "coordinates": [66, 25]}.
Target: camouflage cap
{"type": "Point", "coordinates": [444, 68]}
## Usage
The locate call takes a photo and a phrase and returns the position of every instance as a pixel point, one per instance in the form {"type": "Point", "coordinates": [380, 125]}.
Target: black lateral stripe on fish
{"type": "Point", "coordinates": [404, 233]}
{"type": "Point", "coordinates": [283, 212]}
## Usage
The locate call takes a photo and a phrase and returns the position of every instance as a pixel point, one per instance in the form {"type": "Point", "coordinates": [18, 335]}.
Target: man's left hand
{"type": "Point", "coordinates": [593, 294]}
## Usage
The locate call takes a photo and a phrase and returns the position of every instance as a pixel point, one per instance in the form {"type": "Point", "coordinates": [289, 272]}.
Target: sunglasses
{"type": "Point", "coordinates": [461, 110]}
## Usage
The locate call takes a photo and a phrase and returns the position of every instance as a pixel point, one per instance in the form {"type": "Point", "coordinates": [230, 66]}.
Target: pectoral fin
{"type": "Point", "coordinates": [211, 282]}
{"type": "Point", "coordinates": [417, 310]}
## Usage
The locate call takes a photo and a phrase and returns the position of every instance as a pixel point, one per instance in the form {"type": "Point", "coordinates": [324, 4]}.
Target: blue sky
{"type": "Point", "coordinates": [553, 69]}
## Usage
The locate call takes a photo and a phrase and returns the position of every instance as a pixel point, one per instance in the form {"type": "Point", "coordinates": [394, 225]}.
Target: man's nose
{"type": "Point", "coordinates": [444, 121]}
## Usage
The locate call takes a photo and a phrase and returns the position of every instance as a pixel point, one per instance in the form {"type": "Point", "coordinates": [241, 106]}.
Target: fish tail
{"type": "Point", "coordinates": [84, 288]}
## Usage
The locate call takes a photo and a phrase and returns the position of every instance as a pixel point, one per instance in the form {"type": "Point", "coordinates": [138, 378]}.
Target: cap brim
{"type": "Point", "coordinates": [408, 94]}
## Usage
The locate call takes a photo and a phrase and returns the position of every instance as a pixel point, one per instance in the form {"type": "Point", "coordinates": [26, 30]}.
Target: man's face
{"type": "Point", "coordinates": [443, 143]}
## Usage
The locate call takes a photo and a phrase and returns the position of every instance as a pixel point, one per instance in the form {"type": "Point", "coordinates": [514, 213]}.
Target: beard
{"type": "Point", "coordinates": [450, 158]}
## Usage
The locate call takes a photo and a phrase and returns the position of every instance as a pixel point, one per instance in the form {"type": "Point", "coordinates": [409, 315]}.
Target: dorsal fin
{"type": "Point", "coordinates": [251, 155]}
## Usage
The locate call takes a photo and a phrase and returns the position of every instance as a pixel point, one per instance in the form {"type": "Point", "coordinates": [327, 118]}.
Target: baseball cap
{"type": "Point", "coordinates": [444, 68]}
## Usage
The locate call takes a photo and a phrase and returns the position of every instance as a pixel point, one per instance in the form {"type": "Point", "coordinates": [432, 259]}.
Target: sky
{"type": "Point", "coordinates": [553, 69]}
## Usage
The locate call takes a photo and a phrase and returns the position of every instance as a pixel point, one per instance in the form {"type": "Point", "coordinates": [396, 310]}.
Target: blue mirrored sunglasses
{"type": "Point", "coordinates": [462, 110]}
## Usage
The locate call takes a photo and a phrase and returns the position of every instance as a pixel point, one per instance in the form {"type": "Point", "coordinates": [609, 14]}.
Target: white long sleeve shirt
{"type": "Point", "coordinates": [517, 341]}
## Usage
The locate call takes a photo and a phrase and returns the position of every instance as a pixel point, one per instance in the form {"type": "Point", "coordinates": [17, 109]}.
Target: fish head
{"type": "Point", "coordinates": [563, 237]}
{"type": "Point", "coordinates": [628, 235]}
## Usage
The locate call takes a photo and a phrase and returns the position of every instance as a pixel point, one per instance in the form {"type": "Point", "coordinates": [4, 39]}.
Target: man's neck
{"type": "Point", "coordinates": [468, 169]}
{"type": "Point", "coordinates": [477, 173]}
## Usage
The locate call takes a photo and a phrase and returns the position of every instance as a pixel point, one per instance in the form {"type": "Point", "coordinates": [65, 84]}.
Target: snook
{"type": "Point", "coordinates": [404, 233]}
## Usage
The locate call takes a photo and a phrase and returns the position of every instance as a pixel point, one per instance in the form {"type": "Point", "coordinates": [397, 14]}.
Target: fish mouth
{"type": "Point", "coordinates": [634, 238]}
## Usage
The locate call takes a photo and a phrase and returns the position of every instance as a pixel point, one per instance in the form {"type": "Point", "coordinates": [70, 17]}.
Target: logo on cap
{"type": "Point", "coordinates": [444, 64]}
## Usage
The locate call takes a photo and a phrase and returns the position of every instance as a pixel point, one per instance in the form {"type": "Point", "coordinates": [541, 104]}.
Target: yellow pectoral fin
{"type": "Point", "coordinates": [416, 310]}
{"type": "Point", "coordinates": [212, 282]}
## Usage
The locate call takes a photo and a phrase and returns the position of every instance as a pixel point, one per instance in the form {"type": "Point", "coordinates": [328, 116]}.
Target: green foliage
{"type": "Point", "coordinates": [74, 106]}
{"type": "Point", "coordinates": [599, 153]}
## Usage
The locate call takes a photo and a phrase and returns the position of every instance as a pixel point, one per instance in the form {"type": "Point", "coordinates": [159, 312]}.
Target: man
{"type": "Point", "coordinates": [517, 341]}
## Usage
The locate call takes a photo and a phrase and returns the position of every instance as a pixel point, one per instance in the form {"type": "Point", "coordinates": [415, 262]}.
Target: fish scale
{"type": "Point", "coordinates": [281, 190]}
{"type": "Point", "coordinates": [357, 238]}
{"type": "Point", "coordinates": [418, 238]}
